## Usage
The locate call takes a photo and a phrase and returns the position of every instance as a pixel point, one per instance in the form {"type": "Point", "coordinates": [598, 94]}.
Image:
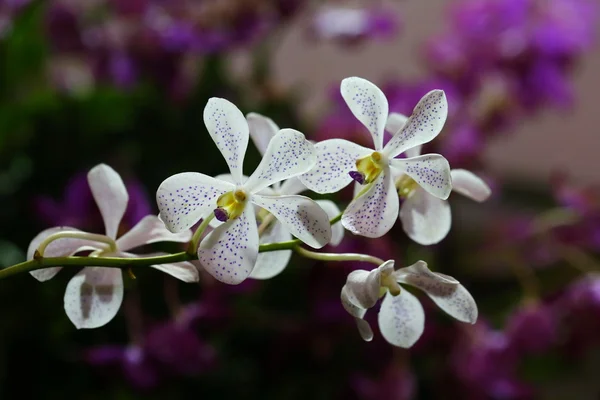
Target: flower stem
{"type": "Point", "coordinates": [76, 235]}
{"type": "Point", "coordinates": [338, 256]}
{"type": "Point", "coordinates": [193, 247]}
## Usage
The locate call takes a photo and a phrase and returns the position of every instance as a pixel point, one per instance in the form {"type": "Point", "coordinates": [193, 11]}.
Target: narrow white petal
{"type": "Point", "coordinates": [368, 104]}
{"type": "Point", "coordinates": [362, 287]}
{"type": "Point", "coordinates": [413, 151]}
{"type": "Point", "coordinates": [291, 186]}
{"type": "Point", "coordinates": [335, 159]}
{"type": "Point", "coordinates": [301, 216]}
{"type": "Point", "coordinates": [425, 123]}
{"type": "Point", "coordinates": [272, 263]}
{"type": "Point", "coordinates": [229, 130]}
{"type": "Point", "coordinates": [401, 319]}
{"type": "Point", "coordinates": [470, 185]}
{"type": "Point", "coordinates": [186, 197]}
{"type": "Point", "coordinates": [58, 248]}
{"type": "Point", "coordinates": [430, 171]}
{"type": "Point", "coordinates": [425, 218]}
{"type": "Point", "coordinates": [93, 296]}
{"type": "Point", "coordinates": [419, 273]}
{"type": "Point", "coordinates": [110, 195]}
{"type": "Point", "coordinates": [395, 122]}
{"type": "Point", "coordinates": [262, 130]}
{"type": "Point", "coordinates": [289, 154]}
{"type": "Point", "coordinates": [229, 252]}
{"type": "Point", "coordinates": [337, 229]}
{"type": "Point", "coordinates": [184, 271]}
{"type": "Point", "coordinates": [364, 329]}
{"type": "Point", "coordinates": [374, 213]}
{"type": "Point", "coordinates": [150, 229]}
{"type": "Point", "coordinates": [445, 291]}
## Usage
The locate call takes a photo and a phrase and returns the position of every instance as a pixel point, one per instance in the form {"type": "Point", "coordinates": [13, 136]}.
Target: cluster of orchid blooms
{"type": "Point", "coordinates": [248, 226]}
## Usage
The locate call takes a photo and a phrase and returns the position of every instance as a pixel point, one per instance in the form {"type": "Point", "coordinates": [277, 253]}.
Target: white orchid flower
{"type": "Point", "coordinates": [268, 265]}
{"type": "Point", "coordinates": [426, 219]}
{"type": "Point", "coordinates": [339, 161]}
{"type": "Point", "coordinates": [401, 317]}
{"type": "Point", "coordinates": [230, 251]}
{"type": "Point", "coordinates": [94, 295]}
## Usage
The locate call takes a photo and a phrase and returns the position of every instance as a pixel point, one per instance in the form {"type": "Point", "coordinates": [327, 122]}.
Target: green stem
{"type": "Point", "coordinates": [193, 247]}
{"type": "Point", "coordinates": [337, 218]}
{"type": "Point", "coordinates": [338, 256]}
{"type": "Point", "coordinates": [76, 235]}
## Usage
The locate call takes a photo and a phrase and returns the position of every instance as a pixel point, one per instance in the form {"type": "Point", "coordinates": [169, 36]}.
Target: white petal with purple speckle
{"type": "Point", "coordinates": [335, 159]}
{"type": "Point", "coordinates": [150, 229]}
{"type": "Point", "coordinates": [401, 319]}
{"type": "Point", "coordinates": [425, 123]}
{"type": "Point", "coordinates": [301, 216]}
{"type": "Point", "coordinates": [229, 130]}
{"type": "Point", "coordinates": [368, 104]}
{"type": "Point", "coordinates": [430, 171]}
{"type": "Point", "coordinates": [425, 218]}
{"type": "Point", "coordinates": [186, 197]}
{"type": "Point", "coordinates": [364, 329]}
{"type": "Point", "coordinates": [110, 195]}
{"type": "Point", "coordinates": [230, 251]}
{"type": "Point", "coordinates": [374, 213]}
{"type": "Point", "coordinates": [337, 229]}
{"type": "Point", "coordinates": [289, 154]}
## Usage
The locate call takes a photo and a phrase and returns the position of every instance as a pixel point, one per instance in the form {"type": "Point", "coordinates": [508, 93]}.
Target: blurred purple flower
{"type": "Point", "coordinates": [532, 328]}
{"type": "Point", "coordinates": [397, 383]}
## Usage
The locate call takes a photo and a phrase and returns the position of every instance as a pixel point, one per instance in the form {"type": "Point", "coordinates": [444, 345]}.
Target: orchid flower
{"type": "Point", "coordinates": [229, 252]}
{"type": "Point", "coordinates": [94, 295]}
{"type": "Point", "coordinates": [401, 317]}
{"type": "Point", "coordinates": [373, 212]}
{"type": "Point", "coordinates": [268, 265]}
{"type": "Point", "coordinates": [426, 219]}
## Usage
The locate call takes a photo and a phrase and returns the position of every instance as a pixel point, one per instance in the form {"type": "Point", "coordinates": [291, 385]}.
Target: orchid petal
{"type": "Point", "coordinates": [419, 275]}
{"type": "Point", "coordinates": [262, 130]}
{"type": "Point", "coordinates": [291, 186]}
{"type": "Point", "coordinates": [413, 151]}
{"type": "Point", "coordinates": [150, 229]}
{"type": "Point", "coordinates": [425, 123]}
{"type": "Point", "coordinates": [272, 263]}
{"type": "Point", "coordinates": [364, 329]}
{"type": "Point", "coordinates": [425, 218]}
{"type": "Point", "coordinates": [110, 195]}
{"type": "Point", "coordinates": [368, 104]}
{"type": "Point", "coordinates": [401, 319]}
{"type": "Point", "coordinates": [301, 216]}
{"type": "Point", "coordinates": [470, 185]}
{"type": "Point", "coordinates": [337, 229]}
{"type": "Point", "coordinates": [362, 287]}
{"type": "Point", "coordinates": [184, 271]}
{"type": "Point", "coordinates": [229, 130]}
{"type": "Point", "coordinates": [186, 197]}
{"type": "Point", "coordinates": [430, 171]}
{"type": "Point", "coordinates": [289, 154]}
{"type": "Point", "coordinates": [445, 291]}
{"type": "Point", "coordinates": [93, 296]}
{"type": "Point", "coordinates": [374, 213]}
{"type": "Point", "coordinates": [335, 159]}
{"type": "Point", "coordinates": [395, 122]}
{"type": "Point", "coordinates": [58, 248]}
{"type": "Point", "coordinates": [230, 251]}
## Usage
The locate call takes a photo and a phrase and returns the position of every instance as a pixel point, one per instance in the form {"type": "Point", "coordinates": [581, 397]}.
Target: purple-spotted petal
{"type": "Point", "coordinates": [58, 248]}
{"type": "Point", "coordinates": [401, 319]}
{"type": "Point", "coordinates": [337, 229]}
{"type": "Point", "coordinates": [395, 122]}
{"type": "Point", "coordinates": [364, 329]}
{"type": "Point", "coordinates": [470, 185]}
{"type": "Point", "coordinates": [229, 130]}
{"type": "Point", "coordinates": [262, 130]}
{"type": "Point", "coordinates": [301, 216]}
{"type": "Point", "coordinates": [335, 159]}
{"type": "Point", "coordinates": [425, 218]}
{"type": "Point", "coordinates": [93, 296]}
{"type": "Point", "coordinates": [368, 104]}
{"type": "Point", "coordinates": [289, 154]}
{"type": "Point", "coordinates": [230, 251]}
{"type": "Point", "coordinates": [374, 213]}
{"type": "Point", "coordinates": [430, 171]}
{"type": "Point", "coordinates": [186, 197]}
{"type": "Point", "coordinates": [425, 123]}
{"type": "Point", "coordinates": [150, 230]}
{"type": "Point", "coordinates": [272, 263]}
{"type": "Point", "coordinates": [445, 291]}
{"type": "Point", "coordinates": [111, 196]}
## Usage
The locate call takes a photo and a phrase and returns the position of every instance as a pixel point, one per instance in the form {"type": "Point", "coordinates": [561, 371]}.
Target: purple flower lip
{"type": "Point", "coordinates": [357, 176]}
{"type": "Point", "coordinates": [221, 214]}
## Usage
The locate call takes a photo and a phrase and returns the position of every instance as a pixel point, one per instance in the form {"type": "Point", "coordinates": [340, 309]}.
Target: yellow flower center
{"type": "Point", "coordinates": [370, 166]}
{"type": "Point", "coordinates": [388, 282]}
{"type": "Point", "coordinates": [406, 186]}
{"type": "Point", "coordinates": [232, 203]}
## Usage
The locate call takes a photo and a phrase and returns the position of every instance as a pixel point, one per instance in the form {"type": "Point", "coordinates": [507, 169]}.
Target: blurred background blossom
{"type": "Point", "coordinates": [125, 82]}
